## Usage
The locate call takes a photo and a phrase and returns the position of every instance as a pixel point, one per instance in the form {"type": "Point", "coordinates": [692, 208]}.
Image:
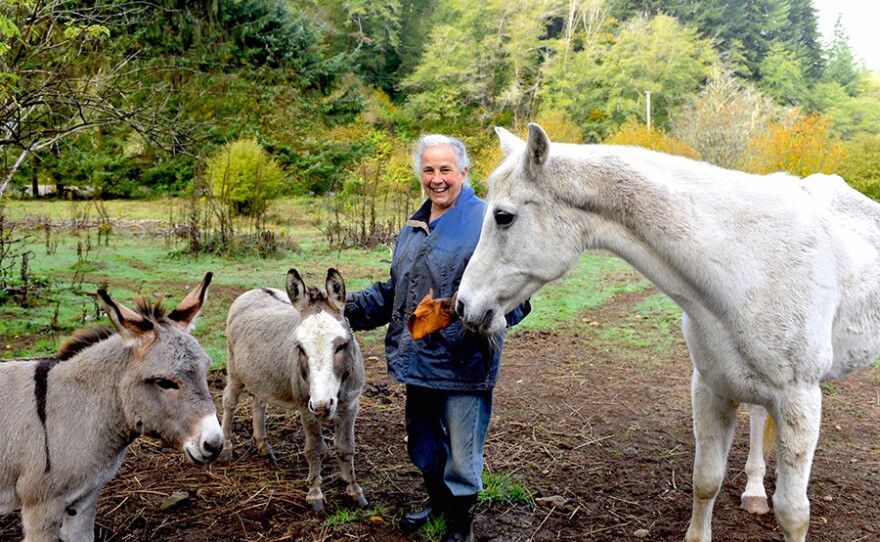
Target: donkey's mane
{"type": "Point", "coordinates": [83, 339]}
{"type": "Point", "coordinates": [155, 312]}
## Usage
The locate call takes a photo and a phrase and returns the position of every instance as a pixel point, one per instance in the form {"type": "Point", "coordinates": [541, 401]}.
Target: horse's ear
{"type": "Point", "coordinates": [509, 143]}
{"type": "Point", "coordinates": [186, 312]}
{"type": "Point", "coordinates": [296, 290]}
{"type": "Point", "coordinates": [335, 290]}
{"type": "Point", "coordinates": [131, 326]}
{"type": "Point", "coordinates": [538, 148]}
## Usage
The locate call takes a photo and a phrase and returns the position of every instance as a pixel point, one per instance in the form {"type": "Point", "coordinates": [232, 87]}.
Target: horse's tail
{"type": "Point", "coordinates": [769, 436]}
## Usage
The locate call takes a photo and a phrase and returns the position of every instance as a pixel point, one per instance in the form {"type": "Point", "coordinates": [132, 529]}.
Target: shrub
{"type": "Point", "coordinates": [634, 133]}
{"type": "Point", "coordinates": [243, 176]}
{"type": "Point", "coordinates": [799, 144]}
{"type": "Point", "coordinates": [861, 169]}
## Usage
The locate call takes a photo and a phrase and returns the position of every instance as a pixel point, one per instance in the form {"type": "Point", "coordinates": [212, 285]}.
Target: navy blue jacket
{"type": "Point", "coordinates": [432, 256]}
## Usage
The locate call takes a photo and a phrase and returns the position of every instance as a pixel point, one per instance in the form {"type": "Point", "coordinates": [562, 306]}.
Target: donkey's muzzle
{"type": "Point", "coordinates": [207, 444]}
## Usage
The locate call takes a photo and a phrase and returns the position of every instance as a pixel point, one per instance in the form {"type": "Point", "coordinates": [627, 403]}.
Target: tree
{"type": "Point", "coordinates": [722, 119]}
{"type": "Point", "coordinates": [57, 79]}
{"type": "Point", "coordinates": [840, 67]}
{"type": "Point", "coordinates": [782, 76]}
{"type": "Point", "coordinates": [244, 177]}
{"type": "Point", "coordinates": [481, 64]}
{"type": "Point", "coordinates": [605, 85]}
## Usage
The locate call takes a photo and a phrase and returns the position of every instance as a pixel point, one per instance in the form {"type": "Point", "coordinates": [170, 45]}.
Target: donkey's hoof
{"type": "Point", "coordinates": [755, 505]}
{"type": "Point", "coordinates": [317, 506]}
{"type": "Point", "coordinates": [226, 454]}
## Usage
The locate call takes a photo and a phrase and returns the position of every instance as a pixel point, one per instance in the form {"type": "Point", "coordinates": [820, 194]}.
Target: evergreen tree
{"type": "Point", "coordinates": [840, 66]}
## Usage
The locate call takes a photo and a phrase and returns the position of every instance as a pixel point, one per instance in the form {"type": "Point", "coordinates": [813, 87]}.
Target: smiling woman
{"type": "Point", "coordinates": [443, 165]}
{"type": "Point", "coordinates": [450, 373]}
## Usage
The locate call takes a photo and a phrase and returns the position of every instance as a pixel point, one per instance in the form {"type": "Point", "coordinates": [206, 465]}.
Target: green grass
{"type": "Point", "coordinates": [432, 531]}
{"type": "Point", "coordinates": [594, 281]}
{"type": "Point", "coordinates": [343, 516]}
{"type": "Point", "coordinates": [503, 488]}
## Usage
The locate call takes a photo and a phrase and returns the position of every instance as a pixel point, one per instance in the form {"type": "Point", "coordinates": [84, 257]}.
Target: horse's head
{"type": "Point", "coordinates": [529, 236]}
{"type": "Point", "coordinates": [328, 351]}
{"type": "Point", "coordinates": [164, 390]}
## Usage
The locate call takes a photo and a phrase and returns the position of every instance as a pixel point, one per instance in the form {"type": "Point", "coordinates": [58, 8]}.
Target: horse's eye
{"type": "Point", "coordinates": [503, 218]}
{"type": "Point", "coordinates": [167, 384]}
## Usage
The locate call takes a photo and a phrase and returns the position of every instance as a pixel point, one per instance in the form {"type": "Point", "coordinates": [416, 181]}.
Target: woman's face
{"type": "Point", "coordinates": [441, 178]}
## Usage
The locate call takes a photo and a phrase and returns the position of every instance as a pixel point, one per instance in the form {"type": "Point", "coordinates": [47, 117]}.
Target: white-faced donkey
{"type": "Point", "coordinates": [66, 421]}
{"type": "Point", "coordinates": [296, 350]}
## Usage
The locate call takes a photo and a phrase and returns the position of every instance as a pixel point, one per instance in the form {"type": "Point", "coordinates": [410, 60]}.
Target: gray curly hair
{"type": "Point", "coordinates": [432, 140]}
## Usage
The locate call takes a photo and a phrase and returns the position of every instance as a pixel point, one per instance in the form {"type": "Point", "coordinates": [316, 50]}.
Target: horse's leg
{"type": "Point", "coordinates": [754, 498]}
{"type": "Point", "coordinates": [315, 450]}
{"type": "Point", "coordinates": [42, 521]}
{"type": "Point", "coordinates": [231, 393]}
{"type": "Point", "coordinates": [79, 519]}
{"type": "Point", "coordinates": [714, 424]}
{"type": "Point", "coordinates": [345, 453]}
{"type": "Point", "coordinates": [263, 447]}
{"type": "Point", "coordinates": [797, 418]}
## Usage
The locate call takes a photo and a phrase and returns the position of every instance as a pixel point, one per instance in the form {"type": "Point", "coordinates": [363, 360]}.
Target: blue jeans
{"type": "Point", "coordinates": [446, 433]}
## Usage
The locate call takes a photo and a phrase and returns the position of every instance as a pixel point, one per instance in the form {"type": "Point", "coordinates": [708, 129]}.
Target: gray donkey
{"type": "Point", "coordinates": [295, 349]}
{"type": "Point", "coordinates": [66, 421]}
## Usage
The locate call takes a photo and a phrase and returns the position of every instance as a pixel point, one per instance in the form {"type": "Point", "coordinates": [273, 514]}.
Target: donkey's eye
{"type": "Point", "coordinates": [167, 384]}
{"type": "Point", "coordinates": [503, 218]}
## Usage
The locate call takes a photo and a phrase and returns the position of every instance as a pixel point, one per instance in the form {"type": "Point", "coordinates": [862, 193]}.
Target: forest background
{"type": "Point", "coordinates": [236, 102]}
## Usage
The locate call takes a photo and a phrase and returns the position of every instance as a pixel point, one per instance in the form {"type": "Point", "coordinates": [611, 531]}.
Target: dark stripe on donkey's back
{"type": "Point", "coordinates": [41, 388]}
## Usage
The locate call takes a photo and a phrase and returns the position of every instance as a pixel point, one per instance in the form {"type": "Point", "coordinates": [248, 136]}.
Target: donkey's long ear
{"type": "Point", "coordinates": [509, 143]}
{"type": "Point", "coordinates": [538, 148]}
{"type": "Point", "coordinates": [335, 290]}
{"type": "Point", "coordinates": [185, 314]}
{"type": "Point", "coordinates": [296, 290]}
{"type": "Point", "coordinates": [134, 329]}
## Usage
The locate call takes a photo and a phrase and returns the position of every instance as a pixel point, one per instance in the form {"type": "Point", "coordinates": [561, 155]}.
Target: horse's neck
{"type": "Point", "coordinates": [641, 219]}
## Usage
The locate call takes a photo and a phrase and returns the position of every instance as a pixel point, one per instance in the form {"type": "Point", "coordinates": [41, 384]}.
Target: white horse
{"type": "Point", "coordinates": [778, 279]}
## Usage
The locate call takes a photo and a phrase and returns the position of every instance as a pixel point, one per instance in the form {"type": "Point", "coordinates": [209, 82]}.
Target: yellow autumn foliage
{"type": "Point", "coordinates": [636, 134]}
{"type": "Point", "coordinates": [798, 144]}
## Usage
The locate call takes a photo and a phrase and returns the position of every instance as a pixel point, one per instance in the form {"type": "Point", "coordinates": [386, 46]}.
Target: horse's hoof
{"type": "Point", "coordinates": [317, 506]}
{"type": "Point", "coordinates": [361, 501]}
{"type": "Point", "coordinates": [755, 505]}
{"type": "Point", "coordinates": [226, 454]}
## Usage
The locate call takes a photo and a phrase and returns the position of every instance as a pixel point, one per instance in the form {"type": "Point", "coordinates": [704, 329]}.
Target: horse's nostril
{"type": "Point", "coordinates": [459, 308]}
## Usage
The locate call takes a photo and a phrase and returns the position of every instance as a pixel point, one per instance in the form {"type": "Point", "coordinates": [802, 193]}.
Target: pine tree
{"type": "Point", "coordinates": [840, 66]}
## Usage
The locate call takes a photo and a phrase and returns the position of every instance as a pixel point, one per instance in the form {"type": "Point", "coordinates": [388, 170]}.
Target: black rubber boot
{"type": "Point", "coordinates": [438, 500]}
{"type": "Point", "coordinates": [460, 519]}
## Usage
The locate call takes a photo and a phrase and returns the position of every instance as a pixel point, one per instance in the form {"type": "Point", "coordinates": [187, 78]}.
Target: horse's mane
{"type": "Point", "coordinates": [85, 338]}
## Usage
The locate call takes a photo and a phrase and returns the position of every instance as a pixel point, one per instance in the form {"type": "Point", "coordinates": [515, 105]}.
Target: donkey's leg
{"type": "Point", "coordinates": [345, 453]}
{"type": "Point", "coordinates": [231, 393]}
{"type": "Point", "coordinates": [263, 447]}
{"type": "Point", "coordinates": [79, 518]}
{"type": "Point", "coordinates": [316, 448]}
{"type": "Point", "coordinates": [797, 418]}
{"type": "Point", "coordinates": [42, 521]}
{"type": "Point", "coordinates": [714, 423]}
{"type": "Point", "coordinates": [754, 498]}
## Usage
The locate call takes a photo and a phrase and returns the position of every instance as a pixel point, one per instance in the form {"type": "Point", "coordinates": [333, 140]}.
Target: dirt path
{"type": "Point", "coordinates": [607, 429]}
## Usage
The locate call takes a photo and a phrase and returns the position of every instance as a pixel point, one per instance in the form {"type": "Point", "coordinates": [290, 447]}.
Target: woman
{"type": "Point", "coordinates": [450, 374]}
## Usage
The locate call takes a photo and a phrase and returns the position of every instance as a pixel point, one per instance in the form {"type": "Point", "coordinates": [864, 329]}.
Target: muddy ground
{"type": "Point", "coordinates": [608, 430]}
